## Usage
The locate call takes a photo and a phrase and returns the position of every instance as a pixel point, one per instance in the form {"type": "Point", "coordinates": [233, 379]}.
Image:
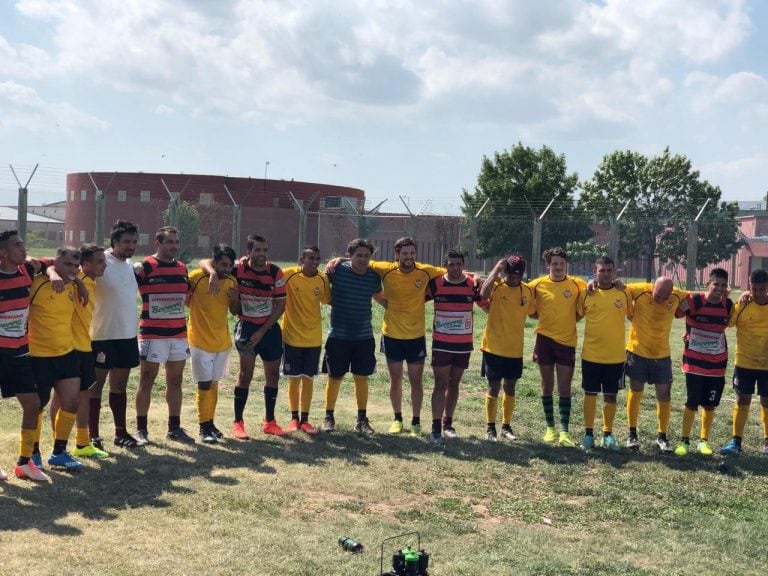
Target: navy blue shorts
{"type": "Point", "coordinates": [270, 347]}
{"type": "Point", "coordinates": [495, 368]}
{"type": "Point", "coordinates": [300, 361]}
{"type": "Point", "coordinates": [413, 351]}
{"type": "Point", "coordinates": [356, 356]}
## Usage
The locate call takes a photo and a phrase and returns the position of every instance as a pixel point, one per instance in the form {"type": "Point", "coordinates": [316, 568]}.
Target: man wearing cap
{"type": "Point", "coordinates": [557, 296]}
{"type": "Point", "coordinates": [510, 302]}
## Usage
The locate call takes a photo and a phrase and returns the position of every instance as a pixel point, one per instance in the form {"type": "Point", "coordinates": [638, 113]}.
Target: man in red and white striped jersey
{"type": "Point", "coordinates": [455, 294]}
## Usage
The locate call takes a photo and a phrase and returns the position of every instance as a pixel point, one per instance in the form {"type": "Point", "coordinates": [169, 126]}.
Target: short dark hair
{"type": "Point", "coordinates": [719, 273]}
{"type": "Point", "coordinates": [88, 251]}
{"type": "Point", "coordinates": [252, 239]}
{"type": "Point", "coordinates": [403, 242]}
{"type": "Point", "coordinates": [758, 277]}
{"type": "Point", "coordinates": [454, 254]}
{"type": "Point", "coordinates": [163, 233]}
{"type": "Point", "coordinates": [222, 250]}
{"type": "Point", "coordinates": [360, 243]}
{"type": "Point", "coordinates": [63, 251]}
{"type": "Point", "coordinates": [310, 249]}
{"type": "Point", "coordinates": [6, 235]}
{"type": "Point", "coordinates": [556, 251]}
{"type": "Point", "coordinates": [605, 260]}
{"type": "Point", "coordinates": [119, 228]}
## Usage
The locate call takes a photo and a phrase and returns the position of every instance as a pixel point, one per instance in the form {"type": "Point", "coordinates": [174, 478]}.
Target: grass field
{"type": "Point", "coordinates": [276, 506]}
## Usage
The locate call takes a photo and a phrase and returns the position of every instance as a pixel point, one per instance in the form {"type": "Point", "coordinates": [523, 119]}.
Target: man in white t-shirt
{"type": "Point", "coordinates": [114, 330]}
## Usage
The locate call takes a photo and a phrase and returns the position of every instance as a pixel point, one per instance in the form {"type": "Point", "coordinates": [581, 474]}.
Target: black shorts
{"type": "Point", "coordinates": [16, 376]}
{"type": "Point", "coordinates": [300, 361]}
{"type": "Point", "coordinates": [270, 347]}
{"type": "Point", "coordinates": [703, 390]}
{"type": "Point", "coordinates": [745, 379]}
{"type": "Point", "coordinates": [123, 353]}
{"type": "Point", "coordinates": [597, 377]}
{"type": "Point", "coordinates": [443, 358]}
{"type": "Point", "coordinates": [49, 370]}
{"type": "Point", "coordinates": [547, 352]}
{"type": "Point", "coordinates": [87, 362]}
{"type": "Point", "coordinates": [356, 356]}
{"type": "Point", "coordinates": [651, 370]}
{"type": "Point", "coordinates": [495, 368]}
{"type": "Point", "coordinates": [412, 351]}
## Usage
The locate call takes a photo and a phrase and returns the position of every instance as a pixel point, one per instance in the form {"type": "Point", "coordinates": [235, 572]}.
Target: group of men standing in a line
{"type": "Point", "coordinates": [68, 325]}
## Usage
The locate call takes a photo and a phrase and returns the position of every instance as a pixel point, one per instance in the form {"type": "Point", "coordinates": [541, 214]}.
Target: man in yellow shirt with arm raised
{"type": "Point", "coordinates": [648, 353]}
{"type": "Point", "coordinates": [209, 342]}
{"type": "Point", "coordinates": [307, 289]}
{"type": "Point", "coordinates": [403, 330]}
{"type": "Point", "coordinates": [557, 298]}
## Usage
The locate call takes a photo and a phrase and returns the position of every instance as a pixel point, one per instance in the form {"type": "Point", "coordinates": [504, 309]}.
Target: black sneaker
{"type": "Point", "coordinates": [329, 424]}
{"type": "Point", "coordinates": [128, 441]}
{"type": "Point", "coordinates": [216, 432]}
{"type": "Point", "coordinates": [507, 433]}
{"type": "Point", "coordinates": [363, 426]}
{"type": "Point", "coordinates": [490, 435]}
{"type": "Point", "coordinates": [633, 443]}
{"type": "Point", "coordinates": [663, 445]}
{"type": "Point", "coordinates": [180, 435]}
{"type": "Point", "coordinates": [98, 443]}
{"type": "Point", "coordinates": [207, 435]}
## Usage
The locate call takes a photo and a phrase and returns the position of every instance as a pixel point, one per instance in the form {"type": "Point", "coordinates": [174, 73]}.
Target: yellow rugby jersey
{"type": "Point", "coordinates": [605, 313]}
{"type": "Point", "coordinates": [751, 322]}
{"type": "Point", "coordinates": [208, 327]}
{"type": "Point", "coordinates": [404, 316]}
{"type": "Point", "coordinates": [651, 322]}
{"type": "Point", "coordinates": [556, 306]}
{"type": "Point", "coordinates": [81, 319]}
{"type": "Point", "coordinates": [50, 318]}
{"type": "Point", "coordinates": [508, 308]}
{"type": "Point", "coordinates": [301, 323]}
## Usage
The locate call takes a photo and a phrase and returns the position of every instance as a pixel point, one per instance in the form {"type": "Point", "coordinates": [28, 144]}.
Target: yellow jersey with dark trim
{"type": "Point", "coordinates": [404, 316]}
{"type": "Point", "coordinates": [50, 318]}
{"type": "Point", "coordinates": [751, 322]}
{"type": "Point", "coordinates": [302, 323]}
{"type": "Point", "coordinates": [556, 306]}
{"type": "Point", "coordinates": [208, 327]}
{"type": "Point", "coordinates": [605, 313]}
{"type": "Point", "coordinates": [651, 321]}
{"type": "Point", "coordinates": [508, 308]}
{"type": "Point", "coordinates": [81, 319]}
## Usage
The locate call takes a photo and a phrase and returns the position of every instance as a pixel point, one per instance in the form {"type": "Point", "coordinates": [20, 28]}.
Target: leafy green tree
{"type": "Point", "coordinates": [519, 183]}
{"type": "Point", "coordinates": [587, 251]}
{"type": "Point", "coordinates": [189, 228]}
{"type": "Point", "coordinates": [664, 194]}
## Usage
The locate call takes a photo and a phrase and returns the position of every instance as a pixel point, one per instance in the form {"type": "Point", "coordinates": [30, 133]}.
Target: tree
{"type": "Point", "coordinates": [189, 228]}
{"type": "Point", "coordinates": [663, 195]}
{"type": "Point", "coordinates": [520, 183]}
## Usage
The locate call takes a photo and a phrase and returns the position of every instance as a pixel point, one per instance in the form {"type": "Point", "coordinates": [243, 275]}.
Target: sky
{"type": "Point", "coordinates": [397, 97]}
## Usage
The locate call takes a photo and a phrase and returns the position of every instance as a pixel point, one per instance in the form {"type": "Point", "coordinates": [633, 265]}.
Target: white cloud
{"type": "Point", "coordinates": [744, 92]}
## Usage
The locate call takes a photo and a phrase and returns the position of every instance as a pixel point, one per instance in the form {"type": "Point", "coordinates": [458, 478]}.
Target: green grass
{"type": "Point", "coordinates": [278, 505]}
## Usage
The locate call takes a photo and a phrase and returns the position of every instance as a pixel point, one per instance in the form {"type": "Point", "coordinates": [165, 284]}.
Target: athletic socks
{"type": "Point", "coordinates": [294, 391]}
{"type": "Point", "coordinates": [688, 418]}
{"type": "Point", "coordinates": [507, 408]}
{"type": "Point", "coordinates": [491, 407]}
{"type": "Point", "coordinates": [634, 399]}
{"type": "Point", "coordinates": [241, 397]}
{"type": "Point", "coordinates": [564, 405]}
{"type": "Point", "coordinates": [590, 408]}
{"type": "Point", "coordinates": [663, 413]}
{"type": "Point", "coordinates": [740, 415]}
{"type": "Point", "coordinates": [270, 400]}
{"type": "Point", "coordinates": [549, 410]}
{"type": "Point", "coordinates": [307, 392]}
{"type": "Point", "coordinates": [609, 415]}
{"type": "Point", "coordinates": [707, 419]}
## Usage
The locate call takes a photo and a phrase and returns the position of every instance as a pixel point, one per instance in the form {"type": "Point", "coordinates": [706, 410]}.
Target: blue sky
{"type": "Point", "coordinates": [395, 97]}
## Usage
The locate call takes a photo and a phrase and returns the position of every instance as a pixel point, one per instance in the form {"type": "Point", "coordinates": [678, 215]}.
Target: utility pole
{"type": "Point", "coordinates": [613, 234]}
{"type": "Point", "coordinates": [473, 233]}
{"type": "Point", "coordinates": [236, 219]}
{"type": "Point", "coordinates": [537, 228]}
{"type": "Point", "coordinates": [21, 208]}
{"type": "Point", "coordinates": [690, 259]}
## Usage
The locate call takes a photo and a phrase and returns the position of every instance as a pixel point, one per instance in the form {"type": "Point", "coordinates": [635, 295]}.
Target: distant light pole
{"type": "Point", "coordinates": [266, 166]}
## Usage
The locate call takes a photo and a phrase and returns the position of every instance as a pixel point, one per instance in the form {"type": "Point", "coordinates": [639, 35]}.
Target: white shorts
{"type": "Point", "coordinates": [164, 350]}
{"type": "Point", "coordinates": [209, 366]}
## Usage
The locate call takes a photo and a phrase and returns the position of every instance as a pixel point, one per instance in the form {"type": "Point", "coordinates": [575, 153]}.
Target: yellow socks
{"type": "Point", "coordinates": [491, 406]}
{"type": "Point", "coordinates": [740, 415]}
{"type": "Point", "coordinates": [663, 412]}
{"type": "Point", "coordinates": [688, 417]}
{"type": "Point", "coordinates": [590, 407]}
{"type": "Point", "coordinates": [307, 391]}
{"type": "Point", "coordinates": [294, 388]}
{"type": "Point", "coordinates": [26, 442]}
{"type": "Point", "coordinates": [609, 415]}
{"type": "Point", "coordinates": [64, 423]}
{"type": "Point", "coordinates": [634, 399]}
{"type": "Point", "coordinates": [707, 418]}
{"type": "Point", "coordinates": [507, 408]}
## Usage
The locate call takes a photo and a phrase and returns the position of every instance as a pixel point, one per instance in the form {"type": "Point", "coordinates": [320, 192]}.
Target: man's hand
{"type": "Point", "coordinates": [330, 268]}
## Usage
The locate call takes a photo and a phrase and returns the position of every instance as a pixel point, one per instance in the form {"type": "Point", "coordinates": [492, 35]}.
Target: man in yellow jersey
{"type": "Point", "coordinates": [648, 354]}
{"type": "Point", "coordinates": [403, 330]}
{"type": "Point", "coordinates": [557, 298]}
{"type": "Point", "coordinates": [209, 343]}
{"type": "Point", "coordinates": [606, 309]}
{"type": "Point", "coordinates": [307, 289]}
{"type": "Point", "coordinates": [510, 303]}
{"type": "Point", "coordinates": [751, 366]}
{"type": "Point", "coordinates": [16, 376]}
{"type": "Point", "coordinates": [93, 263]}
{"type": "Point", "coordinates": [54, 360]}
